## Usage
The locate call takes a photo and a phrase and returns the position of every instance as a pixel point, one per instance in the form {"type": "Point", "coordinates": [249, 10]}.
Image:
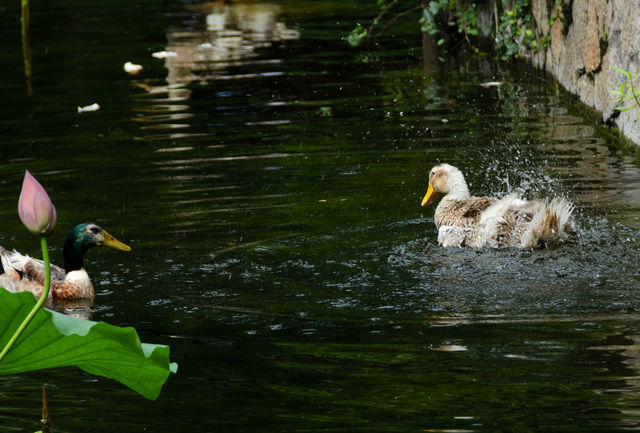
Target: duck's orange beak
{"type": "Point", "coordinates": [110, 241]}
{"type": "Point", "coordinates": [430, 196]}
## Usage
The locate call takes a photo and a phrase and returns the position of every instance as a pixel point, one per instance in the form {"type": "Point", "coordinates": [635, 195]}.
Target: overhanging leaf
{"type": "Point", "coordinates": [621, 71]}
{"type": "Point", "coordinates": [56, 340]}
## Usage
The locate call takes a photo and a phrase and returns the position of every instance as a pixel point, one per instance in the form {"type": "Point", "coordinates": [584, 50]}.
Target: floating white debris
{"type": "Point", "coordinates": [451, 348]}
{"type": "Point", "coordinates": [132, 68]}
{"type": "Point", "coordinates": [492, 84]}
{"type": "Point", "coordinates": [93, 107]}
{"type": "Point", "coordinates": [174, 149]}
{"type": "Point", "coordinates": [205, 45]}
{"type": "Point", "coordinates": [164, 54]}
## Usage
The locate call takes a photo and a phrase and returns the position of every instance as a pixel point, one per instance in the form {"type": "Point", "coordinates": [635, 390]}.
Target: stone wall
{"type": "Point", "coordinates": [591, 37]}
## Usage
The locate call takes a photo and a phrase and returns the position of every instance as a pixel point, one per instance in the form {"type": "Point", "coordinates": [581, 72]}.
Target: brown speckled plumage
{"type": "Point", "coordinates": [463, 220]}
{"type": "Point", "coordinates": [23, 273]}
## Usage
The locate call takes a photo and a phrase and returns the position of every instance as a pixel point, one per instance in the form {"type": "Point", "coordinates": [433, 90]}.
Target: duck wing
{"type": "Point", "coordinates": [457, 220]}
{"type": "Point", "coordinates": [462, 213]}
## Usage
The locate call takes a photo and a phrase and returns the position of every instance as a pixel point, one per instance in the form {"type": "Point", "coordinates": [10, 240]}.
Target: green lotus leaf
{"type": "Point", "coordinates": [55, 340]}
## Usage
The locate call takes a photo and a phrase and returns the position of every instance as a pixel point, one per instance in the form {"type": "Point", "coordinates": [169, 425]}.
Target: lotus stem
{"type": "Point", "coordinates": [45, 411]}
{"type": "Point", "coordinates": [41, 301]}
{"type": "Point", "coordinates": [26, 45]}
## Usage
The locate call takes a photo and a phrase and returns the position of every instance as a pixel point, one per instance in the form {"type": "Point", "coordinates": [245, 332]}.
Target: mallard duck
{"type": "Point", "coordinates": [24, 273]}
{"type": "Point", "coordinates": [463, 220]}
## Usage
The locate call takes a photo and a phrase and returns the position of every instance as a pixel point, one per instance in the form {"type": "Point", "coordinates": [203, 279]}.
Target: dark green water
{"type": "Point", "coordinates": [269, 182]}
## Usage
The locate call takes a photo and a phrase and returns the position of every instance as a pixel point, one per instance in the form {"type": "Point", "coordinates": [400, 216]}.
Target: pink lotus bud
{"type": "Point", "coordinates": [36, 211]}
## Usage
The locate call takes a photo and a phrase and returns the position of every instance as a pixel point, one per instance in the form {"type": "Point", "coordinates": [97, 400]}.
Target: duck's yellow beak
{"type": "Point", "coordinates": [430, 196]}
{"type": "Point", "coordinates": [110, 241]}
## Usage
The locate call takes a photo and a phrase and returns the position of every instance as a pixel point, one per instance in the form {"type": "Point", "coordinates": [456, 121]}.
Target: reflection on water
{"type": "Point", "coordinates": [81, 308]}
{"type": "Point", "coordinates": [231, 35]}
{"type": "Point", "coordinates": [226, 37]}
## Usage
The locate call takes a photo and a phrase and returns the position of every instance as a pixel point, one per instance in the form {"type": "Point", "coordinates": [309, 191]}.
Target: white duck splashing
{"type": "Point", "coordinates": [463, 220]}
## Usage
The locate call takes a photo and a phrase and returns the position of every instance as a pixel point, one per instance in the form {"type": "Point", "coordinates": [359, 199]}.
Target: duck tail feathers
{"type": "Point", "coordinates": [549, 223]}
{"type": "Point", "coordinates": [5, 259]}
{"type": "Point", "coordinates": [12, 260]}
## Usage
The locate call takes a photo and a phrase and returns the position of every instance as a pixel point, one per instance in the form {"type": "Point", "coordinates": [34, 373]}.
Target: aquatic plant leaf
{"type": "Point", "coordinates": [55, 340]}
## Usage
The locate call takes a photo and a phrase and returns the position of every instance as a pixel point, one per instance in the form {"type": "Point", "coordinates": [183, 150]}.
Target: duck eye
{"type": "Point", "coordinates": [94, 229]}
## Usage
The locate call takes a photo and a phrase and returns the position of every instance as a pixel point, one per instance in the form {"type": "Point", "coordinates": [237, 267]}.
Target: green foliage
{"type": "Point", "coordinates": [56, 340]}
{"type": "Point", "coordinates": [514, 30]}
{"type": "Point", "coordinates": [556, 15]}
{"type": "Point", "coordinates": [626, 94]}
{"type": "Point", "coordinates": [466, 19]}
{"type": "Point", "coordinates": [429, 14]}
{"type": "Point", "coordinates": [325, 111]}
{"type": "Point", "coordinates": [357, 35]}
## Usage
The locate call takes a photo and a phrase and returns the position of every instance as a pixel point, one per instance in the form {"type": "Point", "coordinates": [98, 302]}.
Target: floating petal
{"type": "Point", "coordinates": [132, 68]}
{"type": "Point", "coordinates": [164, 54]}
{"type": "Point", "coordinates": [93, 107]}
